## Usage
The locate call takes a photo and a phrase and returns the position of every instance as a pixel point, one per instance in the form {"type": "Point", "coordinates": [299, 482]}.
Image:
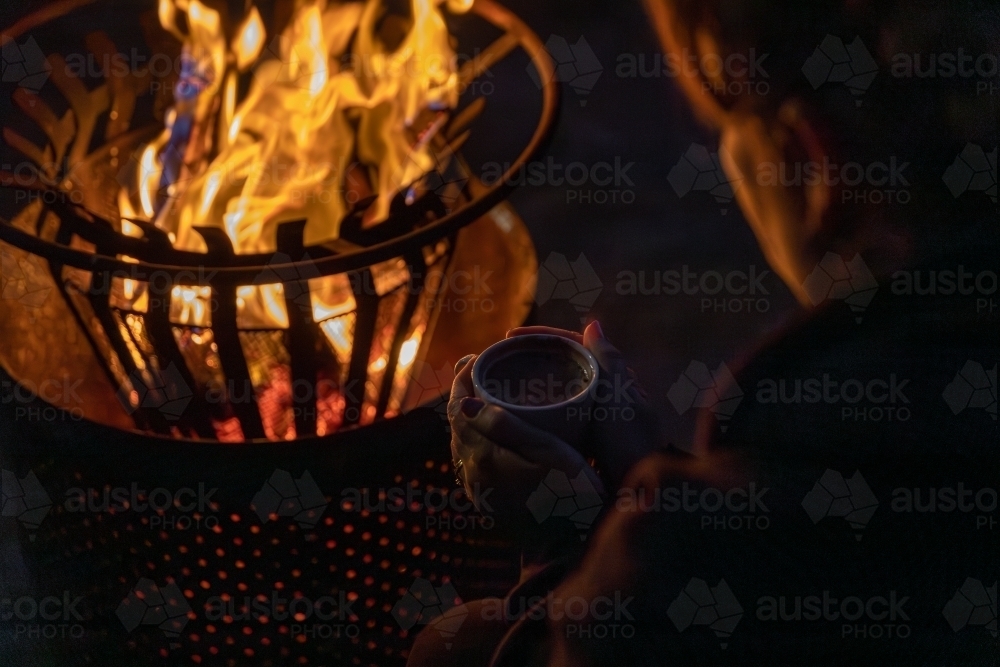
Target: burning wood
{"type": "Point", "coordinates": [329, 93]}
{"type": "Point", "coordinates": [329, 98]}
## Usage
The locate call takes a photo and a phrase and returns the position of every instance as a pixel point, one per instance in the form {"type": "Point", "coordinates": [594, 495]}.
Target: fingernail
{"type": "Point", "coordinates": [597, 329]}
{"type": "Point", "coordinates": [472, 407]}
{"type": "Point", "coordinates": [462, 362]}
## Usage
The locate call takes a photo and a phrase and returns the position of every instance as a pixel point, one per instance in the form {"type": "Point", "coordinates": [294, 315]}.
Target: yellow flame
{"type": "Point", "coordinates": [250, 41]}
{"type": "Point", "coordinates": [127, 293]}
{"type": "Point", "coordinates": [338, 332]}
{"type": "Point", "coordinates": [150, 177]}
{"type": "Point", "coordinates": [314, 48]}
{"type": "Point", "coordinates": [212, 184]}
{"type": "Point", "coordinates": [332, 92]}
{"type": "Point", "coordinates": [168, 14]}
{"type": "Point", "coordinates": [408, 351]}
{"type": "Point", "coordinates": [190, 306]}
{"type": "Point", "coordinates": [203, 19]}
{"type": "Point", "coordinates": [331, 296]}
{"type": "Point", "coordinates": [261, 307]}
{"type": "Point", "coordinates": [281, 153]}
{"type": "Point", "coordinates": [128, 211]}
{"type": "Point", "coordinates": [228, 111]}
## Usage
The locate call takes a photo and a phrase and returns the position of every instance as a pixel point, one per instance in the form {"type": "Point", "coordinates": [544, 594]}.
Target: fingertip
{"type": "Point", "coordinates": [608, 356]}
{"type": "Point", "coordinates": [462, 363]}
{"type": "Point", "coordinates": [593, 335]}
{"type": "Point", "coordinates": [466, 370]}
{"type": "Point", "coordinates": [595, 329]}
{"type": "Point", "coordinates": [461, 386]}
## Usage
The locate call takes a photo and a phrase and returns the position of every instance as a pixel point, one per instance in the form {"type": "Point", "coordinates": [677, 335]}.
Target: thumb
{"type": "Point", "coordinates": [608, 356]}
{"type": "Point", "coordinates": [614, 369]}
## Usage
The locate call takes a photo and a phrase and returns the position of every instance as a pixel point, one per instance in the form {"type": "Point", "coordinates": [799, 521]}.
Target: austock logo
{"type": "Point", "coordinates": [698, 170]}
{"type": "Point", "coordinates": [730, 292]}
{"type": "Point", "coordinates": [163, 390]}
{"type": "Point", "coordinates": [562, 280]}
{"type": "Point", "coordinates": [836, 62]}
{"type": "Point", "coordinates": [974, 170]}
{"type": "Point", "coordinates": [160, 606]}
{"type": "Point", "coordinates": [872, 612]}
{"type": "Point", "coordinates": [290, 66]}
{"type": "Point", "coordinates": [958, 282]}
{"type": "Point", "coordinates": [24, 64]}
{"type": "Point", "coordinates": [700, 604]}
{"type": "Point", "coordinates": [600, 182]}
{"type": "Point", "coordinates": [835, 279]}
{"type": "Point", "coordinates": [599, 617]}
{"type": "Point", "coordinates": [576, 65]}
{"type": "Point", "coordinates": [981, 503]}
{"type": "Point", "coordinates": [24, 279]}
{"type": "Point", "coordinates": [558, 496]}
{"type": "Point", "coordinates": [49, 617]}
{"type": "Point", "coordinates": [877, 182]}
{"type": "Point", "coordinates": [443, 508]}
{"type": "Point", "coordinates": [874, 400]}
{"type": "Point", "coordinates": [143, 168]}
{"type": "Point", "coordinates": [834, 496]}
{"type": "Point", "coordinates": [731, 509]}
{"type": "Point", "coordinates": [26, 394]}
{"type": "Point", "coordinates": [326, 617]}
{"type": "Point", "coordinates": [439, 176]}
{"type": "Point", "coordinates": [425, 603]}
{"type": "Point", "coordinates": [185, 508]}
{"type": "Point", "coordinates": [294, 277]}
{"type": "Point", "coordinates": [974, 387]}
{"type": "Point", "coordinates": [37, 182]}
{"type": "Point", "coordinates": [24, 499]}
{"type": "Point", "coordinates": [960, 64]}
{"type": "Point", "coordinates": [973, 604]}
{"type": "Point", "coordinates": [431, 386]}
{"type": "Point", "coordinates": [283, 496]}
{"type": "Point", "coordinates": [745, 73]}
{"type": "Point", "coordinates": [699, 387]}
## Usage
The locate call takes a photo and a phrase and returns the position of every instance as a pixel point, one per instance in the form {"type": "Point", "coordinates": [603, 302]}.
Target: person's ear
{"type": "Point", "coordinates": [777, 166]}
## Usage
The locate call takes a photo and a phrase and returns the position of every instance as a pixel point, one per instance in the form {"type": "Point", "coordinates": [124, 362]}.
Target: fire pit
{"type": "Point", "coordinates": [223, 306]}
{"type": "Point", "coordinates": [191, 334]}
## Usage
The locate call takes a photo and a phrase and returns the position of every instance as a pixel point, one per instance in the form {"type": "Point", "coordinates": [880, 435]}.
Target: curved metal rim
{"type": "Point", "coordinates": [488, 10]}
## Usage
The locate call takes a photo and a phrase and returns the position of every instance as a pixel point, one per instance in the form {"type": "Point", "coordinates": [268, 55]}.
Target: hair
{"type": "Point", "coordinates": [923, 120]}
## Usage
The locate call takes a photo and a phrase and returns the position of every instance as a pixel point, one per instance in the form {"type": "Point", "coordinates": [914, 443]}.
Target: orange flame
{"type": "Point", "coordinates": [282, 152]}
